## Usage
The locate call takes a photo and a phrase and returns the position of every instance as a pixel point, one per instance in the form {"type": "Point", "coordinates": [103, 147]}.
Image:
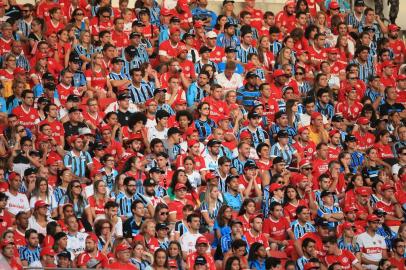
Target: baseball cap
{"type": "Point", "coordinates": [173, 30]}
{"type": "Point", "coordinates": [253, 115]}
{"type": "Point", "coordinates": [200, 260]}
{"type": "Point", "coordinates": [311, 265]}
{"type": "Point", "coordinates": [211, 34]}
{"type": "Point", "coordinates": [235, 221]}
{"type": "Point", "coordinates": [337, 118]}
{"type": "Point", "coordinates": [225, 2]}
{"type": "Point", "coordinates": [279, 72]}
{"type": "Point", "coordinates": [93, 237]}
{"type": "Point", "coordinates": [350, 208]}
{"type": "Point", "coordinates": [325, 193]}
{"type": "Point", "coordinates": [74, 109]}
{"type": "Point", "coordinates": [350, 138]}
{"type": "Point", "coordinates": [332, 49]}
{"type": "Point", "coordinates": [159, 90]}
{"type": "Point", "coordinates": [156, 170]}
{"type": "Point", "coordinates": [210, 175]}
{"type": "Point", "coordinates": [40, 203]}
{"type": "Point", "coordinates": [314, 115]}
{"type": "Point", "coordinates": [251, 74]}
{"type": "Point", "coordinates": [73, 138]}
{"type": "Point", "coordinates": [363, 191]}
{"type": "Point", "coordinates": [131, 50]}
{"type": "Point", "coordinates": [202, 240]}
{"type": "Point", "coordinates": [198, 24]}
{"type": "Point", "coordinates": [275, 186]}
{"type": "Point", "coordinates": [401, 77]}
{"type": "Point", "coordinates": [334, 5]}
{"type": "Point", "coordinates": [47, 251]}
{"type": "Point", "coordinates": [363, 121]}
{"type": "Point", "coordinates": [359, 3]}
{"type": "Point", "coordinates": [99, 145]}
{"type": "Point", "coordinates": [5, 242]}
{"type": "Point", "coordinates": [230, 50]}
{"type": "Point", "coordinates": [213, 142]}
{"type": "Point", "coordinates": [73, 98]}
{"type": "Point", "coordinates": [250, 164]}
{"type": "Point", "coordinates": [180, 186]}
{"type": "Point", "coordinates": [149, 182]}
{"type": "Point", "coordinates": [379, 212]}
{"type": "Point", "coordinates": [116, 60]}
{"type": "Point", "coordinates": [122, 247]}
{"type": "Point", "coordinates": [372, 217]}
{"type": "Point", "coordinates": [304, 162]}
{"type": "Point", "coordinates": [245, 135]}
{"type": "Point", "coordinates": [228, 24]}
{"type": "Point", "coordinates": [74, 58]}
{"type": "Point", "coordinates": [386, 186]}
{"type": "Point", "coordinates": [160, 226]}
{"type": "Point", "coordinates": [393, 27]}
{"type": "Point", "coordinates": [64, 254]}
{"type": "Point", "coordinates": [134, 34]}
{"type": "Point", "coordinates": [123, 96]}
{"type": "Point", "coordinates": [19, 70]}
{"type": "Point", "coordinates": [48, 76]}
{"type": "Point", "coordinates": [347, 225]}
{"type": "Point", "coordinates": [30, 171]}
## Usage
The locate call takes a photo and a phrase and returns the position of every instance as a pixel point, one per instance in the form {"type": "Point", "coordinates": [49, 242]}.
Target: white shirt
{"type": "Point", "coordinates": [17, 203]}
{"type": "Point", "coordinates": [33, 224]}
{"type": "Point", "coordinates": [305, 119]}
{"type": "Point", "coordinates": [230, 85]}
{"type": "Point", "coordinates": [188, 242]}
{"type": "Point", "coordinates": [154, 133]}
{"type": "Point", "coordinates": [371, 248]}
{"type": "Point", "coordinates": [195, 179]}
{"type": "Point", "coordinates": [76, 243]}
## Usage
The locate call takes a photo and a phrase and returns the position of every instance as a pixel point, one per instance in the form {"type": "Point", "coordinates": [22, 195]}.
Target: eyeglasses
{"type": "Point", "coordinates": [21, 130]}
{"type": "Point", "coordinates": [206, 108]}
{"type": "Point", "coordinates": [299, 73]}
{"type": "Point", "coordinates": [77, 186]}
{"type": "Point", "coordinates": [130, 185]}
{"type": "Point", "coordinates": [106, 16]}
{"type": "Point", "coordinates": [164, 213]}
{"type": "Point", "coordinates": [308, 169]}
{"type": "Point", "coordinates": [352, 78]}
{"type": "Point", "coordinates": [79, 14]}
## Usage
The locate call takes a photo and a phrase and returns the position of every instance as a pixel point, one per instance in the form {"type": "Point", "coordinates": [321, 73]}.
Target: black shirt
{"type": "Point", "coordinates": [123, 117]}
{"type": "Point", "coordinates": [386, 108]}
{"type": "Point", "coordinates": [71, 129]}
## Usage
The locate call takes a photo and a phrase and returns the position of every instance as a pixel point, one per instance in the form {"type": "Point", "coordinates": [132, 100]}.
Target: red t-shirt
{"type": "Point", "coordinates": [349, 112]}
{"type": "Point", "coordinates": [400, 264]}
{"type": "Point", "coordinates": [166, 49]}
{"type": "Point", "coordinates": [64, 92]}
{"type": "Point", "coordinates": [388, 208]}
{"type": "Point", "coordinates": [276, 228]}
{"type": "Point", "coordinates": [365, 140]}
{"type": "Point", "coordinates": [217, 108]}
{"type": "Point", "coordinates": [26, 118]}
{"type": "Point", "coordinates": [256, 239]}
{"type": "Point", "coordinates": [52, 28]}
{"type": "Point", "coordinates": [120, 266]}
{"type": "Point", "coordinates": [384, 151]}
{"type": "Point", "coordinates": [333, 152]}
{"type": "Point", "coordinates": [97, 205]}
{"type": "Point", "coordinates": [84, 257]}
{"type": "Point", "coordinates": [243, 184]}
{"type": "Point", "coordinates": [217, 54]}
{"type": "Point", "coordinates": [305, 151]}
{"type": "Point", "coordinates": [97, 79]}
{"type": "Point", "coordinates": [57, 129]}
{"type": "Point", "coordinates": [345, 259]}
{"type": "Point", "coordinates": [7, 221]}
{"type": "Point", "coordinates": [289, 209]}
{"type": "Point", "coordinates": [284, 20]}
{"type": "Point", "coordinates": [191, 258]}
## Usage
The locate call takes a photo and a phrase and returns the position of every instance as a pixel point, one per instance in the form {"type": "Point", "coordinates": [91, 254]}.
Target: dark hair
{"type": "Point", "coordinates": [29, 232]}
{"type": "Point", "coordinates": [111, 204]}
{"type": "Point", "coordinates": [175, 181]}
{"type": "Point", "coordinates": [252, 256]}
{"type": "Point", "coordinates": [190, 217]}
{"type": "Point", "coordinates": [300, 209]}
{"type": "Point", "coordinates": [220, 216]}
{"type": "Point", "coordinates": [186, 113]}
{"type": "Point", "coordinates": [244, 205]}
{"type": "Point", "coordinates": [230, 261]}
{"type": "Point", "coordinates": [307, 241]}
{"type": "Point", "coordinates": [51, 228]}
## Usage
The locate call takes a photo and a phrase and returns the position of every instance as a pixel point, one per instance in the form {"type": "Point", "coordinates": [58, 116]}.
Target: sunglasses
{"type": "Point", "coordinates": [80, 14]}
{"type": "Point", "coordinates": [308, 169]}
{"type": "Point", "coordinates": [164, 213]}
{"type": "Point", "coordinates": [299, 73]}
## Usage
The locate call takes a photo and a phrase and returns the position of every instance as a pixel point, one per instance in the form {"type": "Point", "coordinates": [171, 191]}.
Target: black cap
{"type": "Point", "coordinates": [64, 254]}
{"type": "Point", "coordinates": [279, 114]}
{"type": "Point", "coordinates": [144, 10]}
{"type": "Point", "coordinates": [173, 130]}
{"type": "Point", "coordinates": [43, 100]}
{"type": "Point", "coordinates": [50, 86]}
{"type": "Point", "coordinates": [73, 98]}
{"type": "Point", "coordinates": [138, 23]}
{"type": "Point", "coordinates": [134, 34]}
{"type": "Point", "coordinates": [228, 24]}
{"type": "Point", "coordinates": [227, 1]}
{"type": "Point", "coordinates": [116, 60]}
{"type": "Point", "coordinates": [204, 49]}
{"type": "Point", "coordinates": [131, 50]}
{"type": "Point", "coordinates": [325, 193]}
{"type": "Point", "coordinates": [156, 170]}
{"type": "Point", "coordinates": [159, 90]}
{"type": "Point", "coordinates": [245, 32]}
{"type": "Point", "coordinates": [235, 221]}
{"type": "Point", "coordinates": [200, 260]}
{"type": "Point", "coordinates": [161, 114]}
{"type": "Point", "coordinates": [350, 138]}
{"type": "Point", "coordinates": [253, 115]}
{"type": "Point", "coordinates": [337, 118]}
{"type": "Point", "coordinates": [278, 160]}
{"type": "Point", "coordinates": [186, 35]}
{"type": "Point", "coordinates": [251, 74]}
{"type": "Point", "coordinates": [160, 226]}
{"type": "Point", "coordinates": [30, 171]}
{"type": "Point", "coordinates": [257, 104]}
{"type": "Point", "coordinates": [321, 222]}
{"type": "Point", "coordinates": [379, 212]}
{"type": "Point", "coordinates": [149, 182]}
{"type": "Point", "coordinates": [123, 96]}
{"type": "Point", "coordinates": [59, 235]}
{"type": "Point", "coordinates": [48, 76]}
{"type": "Point", "coordinates": [359, 3]}
{"type": "Point", "coordinates": [74, 58]}
{"type": "Point", "coordinates": [3, 196]}
{"type": "Point", "coordinates": [213, 142]}
{"type": "Point", "coordinates": [98, 145]}
{"type": "Point", "coordinates": [174, 19]}
{"type": "Point", "coordinates": [230, 50]}
{"type": "Point", "coordinates": [249, 164]}
{"type": "Point", "coordinates": [368, 28]}
{"type": "Point", "coordinates": [74, 109]}
{"type": "Point", "coordinates": [282, 134]}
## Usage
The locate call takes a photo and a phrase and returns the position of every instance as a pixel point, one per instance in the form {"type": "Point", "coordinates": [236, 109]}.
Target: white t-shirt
{"type": "Point", "coordinates": [154, 133]}
{"type": "Point", "coordinates": [371, 248]}
{"type": "Point", "coordinates": [76, 243]}
{"type": "Point", "coordinates": [17, 203]}
{"type": "Point", "coordinates": [233, 84]}
{"type": "Point", "coordinates": [33, 224]}
{"type": "Point", "coordinates": [195, 179]}
{"type": "Point", "coordinates": [188, 242]}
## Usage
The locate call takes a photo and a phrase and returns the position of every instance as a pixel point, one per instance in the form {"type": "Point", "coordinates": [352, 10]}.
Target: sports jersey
{"type": "Point", "coordinates": [17, 203]}
{"type": "Point", "coordinates": [28, 118]}
{"type": "Point", "coordinates": [84, 257]}
{"type": "Point", "coordinates": [76, 243]}
{"type": "Point", "coordinates": [346, 259]}
{"type": "Point", "coordinates": [371, 248]}
{"type": "Point", "coordinates": [276, 229]}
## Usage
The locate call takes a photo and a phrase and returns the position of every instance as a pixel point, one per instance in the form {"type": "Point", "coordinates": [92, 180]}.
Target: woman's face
{"type": "Point", "coordinates": [291, 193]}
{"type": "Point", "coordinates": [182, 178]}
{"type": "Point", "coordinates": [188, 165]}
{"type": "Point", "coordinates": [302, 6]}
{"type": "Point", "coordinates": [373, 154]}
{"type": "Point", "coordinates": [228, 213]}
{"type": "Point", "coordinates": [402, 233]}
{"type": "Point", "coordinates": [295, 107]}
{"type": "Point", "coordinates": [223, 20]}
{"type": "Point", "coordinates": [385, 138]}
{"type": "Point", "coordinates": [163, 215]}
{"type": "Point", "coordinates": [346, 159]}
{"type": "Point", "coordinates": [205, 110]}
{"type": "Point", "coordinates": [43, 186]}
{"type": "Point", "coordinates": [76, 188]}
{"type": "Point", "coordinates": [250, 208]}
{"type": "Point", "coordinates": [138, 250]}
{"type": "Point", "coordinates": [214, 193]}
{"type": "Point", "coordinates": [344, 41]}
{"type": "Point", "coordinates": [264, 152]}
{"type": "Point", "coordinates": [235, 265]}
{"type": "Point", "coordinates": [101, 188]}
{"type": "Point", "coordinates": [150, 230]}
{"type": "Point", "coordinates": [173, 250]}
{"type": "Point", "coordinates": [112, 120]}
{"type": "Point", "coordinates": [289, 43]}
{"type": "Point", "coordinates": [265, 43]}
{"type": "Point", "coordinates": [358, 182]}
{"type": "Point", "coordinates": [232, 97]}
{"type": "Point", "coordinates": [160, 258]}
{"type": "Point", "coordinates": [321, 19]}
{"type": "Point", "coordinates": [9, 237]}
{"type": "Point", "coordinates": [106, 229]}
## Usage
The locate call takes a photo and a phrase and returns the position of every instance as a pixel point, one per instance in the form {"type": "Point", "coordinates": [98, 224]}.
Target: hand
{"type": "Point", "coordinates": [308, 190]}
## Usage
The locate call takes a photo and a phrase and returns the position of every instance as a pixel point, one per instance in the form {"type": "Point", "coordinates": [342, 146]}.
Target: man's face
{"type": "Point", "coordinates": [33, 241]}
{"type": "Point", "coordinates": [321, 41]}
{"type": "Point", "coordinates": [283, 120]}
{"type": "Point", "coordinates": [112, 211]}
{"type": "Point", "coordinates": [203, 80]}
{"type": "Point", "coordinates": [78, 144]}
{"type": "Point", "coordinates": [22, 221]}
{"type": "Point", "coordinates": [195, 223]}
{"type": "Point", "coordinates": [233, 184]}
{"type": "Point", "coordinates": [131, 187]}
{"type": "Point", "coordinates": [230, 31]}
{"type": "Point", "coordinates": [310, 248]}
{"type": "Point", "coordinates": [73, 224]}
{"type": "Point", "coordinates": [277, 212]}
{"type": "Point", "coordinates": [290, 10]}
{"type": "Point", "coordinates": [304, 215]}
{"type": "Point", "coordinates": [15, 182]}
{"type": "Point", "coordinates": [3, 203]}
{"type": "Point", "coordinates": [29, 99]}
{"type": "Point", "coordinates": [89, 245]}
{"type": "Point", "coordinates": [257, 224]}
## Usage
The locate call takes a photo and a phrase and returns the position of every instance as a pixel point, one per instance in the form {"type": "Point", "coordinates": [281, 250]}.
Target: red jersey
{"type": "Point", "coordinates": [53, 28]}
{"type": "Point", "coordinates": [5, 45]}
{"type": "Point", "coordinates": [400, 196]}
{"type": "Point", "coordinates": [260, 238]}
{"type": "Point", "coordinates": [191, 258]}
{"type": "Point", "coordinates": [7, 221]}
{"type": "Point", "coordinates": [3, 186]}
{"type": "Point", "coordinates": [276, 91]}
{"type": "Point", "coordinates": [84, 257]}
{"type": "Point", "coordinates": [98, 205]}
{"type": "Point", "coordinates": [245, 222]}
{"type": "Point", "coordinates": [257, 17]}
{"type": "Point", "coordinates": [346, 259]}
{"type": "Point", "coordinates": [97, 120]}
{"type": "Point", "coordinates": [384, 151]}
{"type": "Point", "coordinates": [120, 266]}
{"type": "Point", "coordinates": [317, 55]}
{"type": "Point", "coordinates": [96, 79]}
{"type": "Point", "coordinates": [359, 86]}
{"type": "Point", "coordinates": [188, 69]}
{"type": "Point", "coordinates": [43, 9]}
{"type": "Point", "coordinates": [263, 166]}
{"type": "Point", "coordinates": [152, 244]}
{"type": "Point", "coordinates": [29, 118]}
{"type": "Point", "coordinates": [120, 38]}
{"type": "Point", "coordinates": [64, 92]}
{"type": "Point", "coordinates": [166, 49]}
{"type": "Point", "coordinates": [337, 67]}
{"type": "Point", "coordinates": [114, 149]}
{"type": "Point", "coordinates": [282, 19]}
{"type": "Point", "coordinates": [305, 151]}
{"type": "Point", "coordinates": [398, 48]}
{"type": "Point", "coordinates": [388, 208]}
{"type": "Point", "coordinates": [270, 108]}
{"type": "Point", "coordinates": [349, 112]}
{"type": "Point", "coordinates": [217, 54]}
{"type": "Point", "coordinates": [217, 108]}
{"type": "Point", "coordinates": [19, 239]}
{"type": "Point", "coordinates": [313, 7]}
{"type": "Point", "coordinates": [276, 228]}
{"type": "Point", "coordinates": [199, 162]}
{"type": "Point", "coordinates": [399, 264]}
{"type": "Point", "coordinates": [176, 206]}
{"type": "Point", "coordinates": [289, 209]}
{"type": "Point", "coordinates": [333, 152]}
{"type": "Point", "coordinates": [243, 184]}
{"type": "Point", "coordinates": [388, 81]}
{"type": "Point", "coordinates": [96, 26]}
{"type": "Point", "coordinates": [5, 74]}
{"type": "Point", "coordinates": [365, 140]}
{"type": "Point", "coordinates": [14, 265]}
{"type": "Point", "coordinates": [57, 129]}
{"type": "Point", "coordinates": [319, 167]}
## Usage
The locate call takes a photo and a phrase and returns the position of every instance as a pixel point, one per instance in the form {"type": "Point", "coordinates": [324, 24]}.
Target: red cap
{"type": "Point", "coordinates": [372, 217]}
{"type": "Point", "coordinates": [190, 130]}
{"type": "Point", "coordinates": [250, 66]}
{"type": "Point", "coordinates": [393, 27]}
{"type": "Point", "coordinates": [198, 24]}
{"type": "Point", "coordinates": [347, 225]}
{"type": "Point", "coordinates": [256, 216]}
{"type": "Point", "coordinates": [150, 101]}
{"type": "Point", "coordinates": [245, 134]}
{"type": "Point", "coordinates": [290, 3]}
{"type": "Point", "coordinates": [202, 240]}
{"type": "Point", "coordinates": [41, 56]}
{"type": "Point", "coordinates": [363, 121]}
{"type": "Point", "coordinates": [300, 52]}
{"type": "Point", "coordinates": [174, 29]}
{"type": "Point", "coordinates": [122, 247]}
{"type": "Point", "coordinates": [43, 138]}
{"type": "Point", "coordinates": [5, 243]}
{"type": "Point", "coordinates": [304, 162]}
{"type": "Point", "coordinates": [166, 12]}
{"type": "Point", "coordinates": [334, 5]}
{"type": "Point", "coordinates": [350, 208]}
{"type": "Point", "coordinates": [302, 129]}
{"type": "Point", "coordinates": [279, 72]}
{"type": "Point", "coordinates": [180, 186]}
{"type": "Point", "coordinates": [311, 265]}
{"type": "Point", "coordinates": [209, 176]}
{"type": "Point", "coordinates": [105, 127]}
{"type": "Point", "coordinates": [93, 237]}
{"type": "Point", "coordinates": [39, 204]}
{"type": "Point", "coordinates": [333, 132]}
{"type": "Point", "coordinates": [183, 5]}
{"type": "Point", "coordinates": [333, 49]}
{"type": "Point", "coordinates": [51, 160]}
{"type": "Point", "coordinates": [172, 263]}
{"type": "Point", "coordinates": [401, 77]}
{"type": "Point", "coordinates": [19, 70]}
{"type": "Point", "coordinates": [190, 143]}
{"type": "Point", "coordinates": [182, 48]}
{"type": "Point", "coordinates": [275, 186]}
{"type": "Point", "coordinates": [47, 251]}
{"type": "Point", "coordinates": [302, 178]}
{"type": "Point", "coordinates": [314, 115]}
{"type": "Point", "coordinates": [386, 186]}
{"type": "Point", "coordinates": [363, 191]}
{"type": "Point", "coordinates": [13, 175]}
{"type": "Point", "coordinates": [387, 63]}
{"type": "Point", "coordinates": [73, 138]}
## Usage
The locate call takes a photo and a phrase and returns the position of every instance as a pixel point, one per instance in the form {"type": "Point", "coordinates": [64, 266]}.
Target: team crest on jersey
{"type": "Point", "coordinates": [58, 128]}
{"type": "Point", "coordinates": [310, 150]}
{"type": "Point", "coordinates": [187, 68]}
{"type": "Point", "coordinates": [221, 109]}
{"type": "Point", "coordinates": [113, 152]}
{"type": "Point", "coordinates": [345, 260]}
{"type": "Point", "coordinates": [368, 140]}
{"type": "Point", "coordinates": [197, 164]}
{"type": "Point", "coordinates": [273, 229]}
{"type": "Point", "coordinates": [218, 53]}
{"type": "Point", "coordinates": [272, 107]}
{"type": "Point", "coordinates": [32, 116]}
{"type": "Point", "coordinates": [399, 48]}
{"type": "Point", "coordinates": [356, 110]}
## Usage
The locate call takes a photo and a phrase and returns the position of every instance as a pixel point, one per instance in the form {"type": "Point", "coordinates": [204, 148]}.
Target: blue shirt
{"type": "Point", "coordinates": [299, 230]}
{"type": "Point", "coordinates": [234, 201]}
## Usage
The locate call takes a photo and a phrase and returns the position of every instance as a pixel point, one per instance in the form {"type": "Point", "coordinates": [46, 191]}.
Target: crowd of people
{"type": "Point", "coordinates": [169, 136]}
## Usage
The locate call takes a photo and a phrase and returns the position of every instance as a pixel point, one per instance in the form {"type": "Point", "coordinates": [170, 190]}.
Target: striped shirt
{"type": "Point", "coordinates": [238, 164]}
{"type": "Point", "coordinates": [124, 203]}
{"type": "Point", "coordinates": [204, 207]}
{"type": "Point", "coordinates": [323, 210]}
{"type": "Point", "coordinates": [129, 65]}
{"type": "Point", "coordinates": [233, 20]}
{"type": "Point", "coordinates": [286, 152]}
{"type": "Point", "coordinates": [155, 13]}
{"type": "Point", "coordinates": [143, 56]}
{"type": "Point", "coordinates": [109, 179]}
{"type": "Point", "coordinates": [59, 192]}
{"type": "Point", "coordinates": [357, 158]}
{"type": "Point", "coordinates": [224, 41]}
{"type": "Point", "coordinates": [275, 47]}
{"type": "Point", "coordinates": [300, 263]}
{"type": "Point", "coordinates": [205, 128]}
{"type": "Point", "coordinates": [327, 110]}
{"type": "Point", "coordinates": [258, 136]}
{"type": "Point", "coordinates": [353, 21]}
{"type": "Point", "coordinates": [373, 95]}
{"type": "Point", "coordinates": [199, 65]}
{"type": "Point", "coordinates": [24, 27]}
{"type": "Point", "coordinates": [180, 227]}
{"type": "Point", "coordinates": [248, 96]}
{"type": "Point", "coordinates": [22, 62]}
{"type": "Point", "coordinates": [365, 70]}
{"type": "Point", "coordinates": [275, 128]}
{"type": "Point", "coordinates": [80, 50]}
{"type": "Point", "coordinates": [304, 88]}
{"type": "Point", "coordinates": [242, 53]}
{"type": "Point", "coordinates": [141, 94]}
{"type": "Point", "coordinates": [226, 240]}
{"type": "Point", "coordinates": [354, 248]}
{"type": "Point", "coordinates": [77, 164]}
{"type": "Point", "coordinates": [79, 79]}
{"type": "Point", "coordinates": [141, 265]}
{"type": "Point", "coordinates": [29, 255]}
{"type": "Point", "coordinates": [299, 230]}
{"type": "Point", "coordinates": [194, 94]}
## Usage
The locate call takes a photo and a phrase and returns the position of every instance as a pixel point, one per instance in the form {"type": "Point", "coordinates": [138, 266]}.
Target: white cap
{"type": "Point", "coordinates": [211, 34]}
